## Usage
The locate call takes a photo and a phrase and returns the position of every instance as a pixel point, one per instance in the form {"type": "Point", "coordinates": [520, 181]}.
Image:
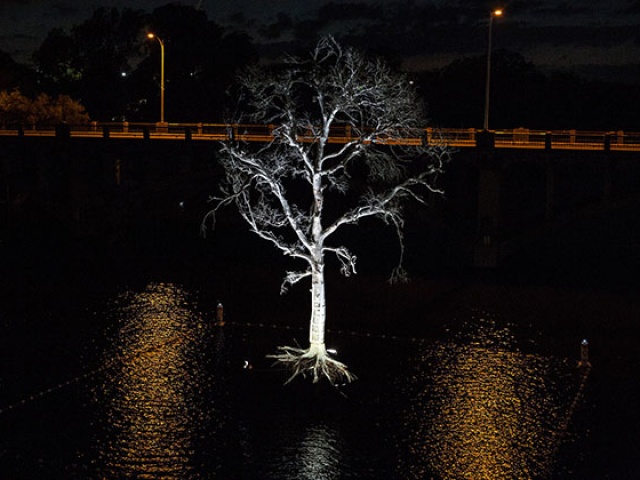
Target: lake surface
{"type": "Point", "coordinates": [165, 393]}
{"type": "Point", "coordinates": [113, 367]}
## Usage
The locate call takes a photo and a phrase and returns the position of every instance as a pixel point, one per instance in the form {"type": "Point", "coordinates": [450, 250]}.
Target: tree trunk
{"type": "Point", "coordinates": [315, 359]}
{"type": "Point", "coordinates": [318, 301]}
{"type": "Point", "coordinates": [318, 308]}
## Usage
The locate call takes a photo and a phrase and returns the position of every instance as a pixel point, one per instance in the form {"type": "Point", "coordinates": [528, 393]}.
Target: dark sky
{"type": "Point", "coordinates": [596, 37]}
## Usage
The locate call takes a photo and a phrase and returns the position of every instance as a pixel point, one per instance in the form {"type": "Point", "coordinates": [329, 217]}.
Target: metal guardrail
{"type": "Point", "coordinates": [458, 138]}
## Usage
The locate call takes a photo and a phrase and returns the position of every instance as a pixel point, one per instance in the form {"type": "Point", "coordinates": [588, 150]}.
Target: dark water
{"type": "Point", "coordinates": [157, 390]}
{"type": "Point", "coordinates": [113, 368]}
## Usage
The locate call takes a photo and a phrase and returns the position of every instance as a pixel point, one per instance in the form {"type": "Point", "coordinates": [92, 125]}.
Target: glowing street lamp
{"type": "Point", "coordinates": [494, 13]}
{"type": "Point", "coordinates": [151, 35]}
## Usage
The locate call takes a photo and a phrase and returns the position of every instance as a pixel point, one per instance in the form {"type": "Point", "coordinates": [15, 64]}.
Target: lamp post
{"type": "Point", "coordinates": [151, 35]}
{"type": "Point", "coordinates": [494, 13]}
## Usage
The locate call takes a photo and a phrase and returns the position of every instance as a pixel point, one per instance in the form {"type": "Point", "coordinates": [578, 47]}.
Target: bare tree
{"type": "Point", "coordinates": [333, 115]}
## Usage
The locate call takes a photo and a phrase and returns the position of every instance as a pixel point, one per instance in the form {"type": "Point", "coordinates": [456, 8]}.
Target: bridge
{"type": "Point", "coordinates": [521, 138]}
{"type": "Point", "coordinates": [502, 189]}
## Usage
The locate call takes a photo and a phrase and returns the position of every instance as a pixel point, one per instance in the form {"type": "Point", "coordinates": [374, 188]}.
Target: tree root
{"type": "Point", "coordinates": [314, 361]}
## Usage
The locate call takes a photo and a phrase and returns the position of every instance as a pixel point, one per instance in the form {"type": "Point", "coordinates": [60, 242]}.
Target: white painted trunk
{"type": "Point", "coordinates": [318, 300]}
{"type": "Point", "coordinates": [318, 309]}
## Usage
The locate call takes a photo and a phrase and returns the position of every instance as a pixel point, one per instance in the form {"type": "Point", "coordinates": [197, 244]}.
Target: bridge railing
{"type": "Point", "coordinates": [460, 138]}
{"type": "Point", "coordinates": [567, 139]}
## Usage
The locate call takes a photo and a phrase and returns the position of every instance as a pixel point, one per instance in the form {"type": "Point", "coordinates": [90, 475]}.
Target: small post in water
{"type": "Point", "coordinates": [584, 354]}
{"type": "Point", "coordinates": [220, 315]}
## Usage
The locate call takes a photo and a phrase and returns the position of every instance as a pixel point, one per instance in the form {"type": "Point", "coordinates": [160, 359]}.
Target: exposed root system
{"type": "Point", "coordinates": [314, 361]}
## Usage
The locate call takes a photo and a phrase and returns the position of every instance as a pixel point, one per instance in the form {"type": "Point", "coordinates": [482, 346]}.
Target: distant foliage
{"type": "Point", "coordinates": [18, 110]}
{"type": "Point", "coordinates": [109, 62]}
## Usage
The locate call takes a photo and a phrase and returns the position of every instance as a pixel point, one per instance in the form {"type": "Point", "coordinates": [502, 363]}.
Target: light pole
{"type": "Point", "coordinates": [494, 13]}
{"type": "Point", "coordinates": [151, 35]}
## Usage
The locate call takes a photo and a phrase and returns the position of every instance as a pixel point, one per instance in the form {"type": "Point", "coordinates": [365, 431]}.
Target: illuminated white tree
{"type": "Point", "coordinates": [337, 119]}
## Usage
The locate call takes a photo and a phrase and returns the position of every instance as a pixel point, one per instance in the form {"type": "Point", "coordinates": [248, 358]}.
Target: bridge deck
{"type": "Point", "coordinates": [459, 138]}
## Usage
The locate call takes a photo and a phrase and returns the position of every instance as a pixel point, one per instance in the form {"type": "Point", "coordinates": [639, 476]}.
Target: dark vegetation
{"type": "Point", "coordinates": [523, 96]}
{"type": "Point", "coordinates": [110, 67]}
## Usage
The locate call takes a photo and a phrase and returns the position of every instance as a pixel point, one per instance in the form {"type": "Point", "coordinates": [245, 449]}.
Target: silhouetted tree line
{"type": "Point", "coordinates": [108, 65]}
{"type": "Point", "coordinates": [523, 96]}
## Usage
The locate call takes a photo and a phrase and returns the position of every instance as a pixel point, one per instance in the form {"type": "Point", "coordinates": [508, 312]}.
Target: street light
{"type": "Point", "coordinates": [494, 13]}
{"type": "Point", "coordinates": [151, 35]}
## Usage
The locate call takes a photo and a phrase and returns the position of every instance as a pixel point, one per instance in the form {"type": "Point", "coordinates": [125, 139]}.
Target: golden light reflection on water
{"type": "Point", "coordinates": [481, 409]}
{"type": "Point", "coordinates": [151, 393]}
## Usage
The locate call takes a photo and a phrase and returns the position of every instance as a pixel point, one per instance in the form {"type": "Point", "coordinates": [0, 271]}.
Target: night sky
{"type": "Point", "coordinates": [599, 38]}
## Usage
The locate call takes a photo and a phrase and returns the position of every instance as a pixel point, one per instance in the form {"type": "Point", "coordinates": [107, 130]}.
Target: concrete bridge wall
{"type": "Point", "coordinates": [524, 192]}
{"type": "Point", "coordinates": [495, 199]}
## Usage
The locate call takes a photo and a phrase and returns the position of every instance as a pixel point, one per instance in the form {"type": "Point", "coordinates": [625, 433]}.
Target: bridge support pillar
{"type": "Point", "coordinates": [487, 247]}
{"type": "Point", "coordinates": [607, 179]}
{"type": "Point", "coordinates": [550, 177]}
